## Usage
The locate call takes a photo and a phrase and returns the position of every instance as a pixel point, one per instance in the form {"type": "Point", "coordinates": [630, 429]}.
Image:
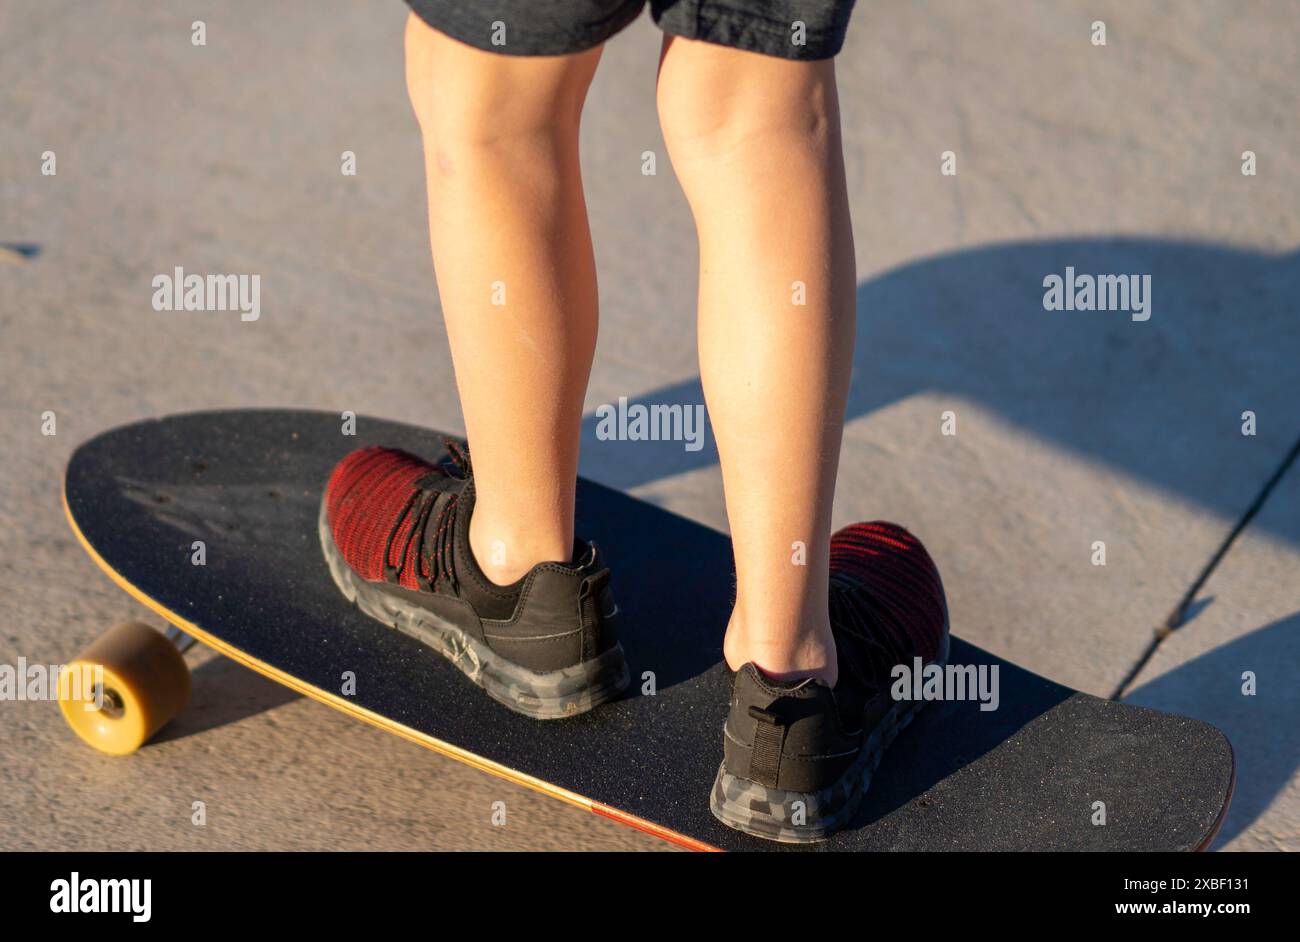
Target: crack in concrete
{"type": "Point", "coordinates": [1178, 616]}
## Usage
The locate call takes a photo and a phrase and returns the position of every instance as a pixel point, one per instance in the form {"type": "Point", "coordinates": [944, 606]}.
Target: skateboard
{"type": "Point", "coordinates": [209, 519]}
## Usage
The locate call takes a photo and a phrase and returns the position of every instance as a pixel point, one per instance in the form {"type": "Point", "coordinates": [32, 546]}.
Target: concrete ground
{"type": "Point", "coordinates": [1072, 427]}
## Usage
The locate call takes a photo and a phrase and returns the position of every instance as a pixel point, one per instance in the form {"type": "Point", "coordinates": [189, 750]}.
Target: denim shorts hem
{"type": "Point", "coordinates": [564, 27]}
{"type": "Point", "coordinates": [736, 25]}
{"type": "Point", "coordinates": [474, 23]}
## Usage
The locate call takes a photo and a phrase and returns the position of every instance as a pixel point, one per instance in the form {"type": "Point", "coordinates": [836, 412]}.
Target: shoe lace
{"type": "Point", "coordinates": [435, 553]}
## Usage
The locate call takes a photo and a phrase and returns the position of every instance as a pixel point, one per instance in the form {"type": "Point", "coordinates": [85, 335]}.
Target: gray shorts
{"type": "Point", "coordinates": [789, 29]}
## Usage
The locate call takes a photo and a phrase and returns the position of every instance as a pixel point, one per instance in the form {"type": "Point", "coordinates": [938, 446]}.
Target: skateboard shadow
{"type": "Point", "coordinates": [1147, 398]}
{"type": "Point", "coordinates": [223, 692]}
{"type": "Point", "coordinates": [1262, 727]}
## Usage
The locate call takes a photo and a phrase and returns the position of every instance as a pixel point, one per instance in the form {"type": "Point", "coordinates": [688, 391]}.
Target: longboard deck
{"type": "Point", "coordinates": [247, 483]}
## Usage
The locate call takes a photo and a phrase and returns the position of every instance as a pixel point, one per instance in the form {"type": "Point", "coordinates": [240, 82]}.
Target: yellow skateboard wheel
{"type": "Point", "coordinates": [124, 688]}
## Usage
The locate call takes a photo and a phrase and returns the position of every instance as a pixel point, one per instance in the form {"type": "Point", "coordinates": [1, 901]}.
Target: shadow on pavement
{"type": "Point", "coordinates": [1151, 399]}
{"type": "Point", "coordinates": [1262, 728]}
{"type": "Point", "coordinates": [223, 692]}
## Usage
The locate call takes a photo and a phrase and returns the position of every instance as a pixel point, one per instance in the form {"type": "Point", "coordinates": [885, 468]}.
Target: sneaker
{"type": "Point", "coordinates": [395, 532]}
{"type": "Point", "coordinates": [799, 755]}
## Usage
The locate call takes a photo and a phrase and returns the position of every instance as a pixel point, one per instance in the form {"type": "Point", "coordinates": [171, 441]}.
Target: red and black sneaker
{"type": "Point", "coordinates": [395, 532]}
{"type": "Point", "coordinates": [799, 755]}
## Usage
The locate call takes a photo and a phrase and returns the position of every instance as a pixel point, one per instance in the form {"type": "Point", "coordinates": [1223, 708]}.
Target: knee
{"type": "Point", "coordinates": [468, 98]}
{"type": "Point", "coordinates": [714, 108]}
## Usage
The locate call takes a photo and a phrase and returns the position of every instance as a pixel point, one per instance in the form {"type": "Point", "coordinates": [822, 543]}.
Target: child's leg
{"type": "Point", "coordinates": [516, 276]}
{"type": "Point", "coordinates": [755, 143]}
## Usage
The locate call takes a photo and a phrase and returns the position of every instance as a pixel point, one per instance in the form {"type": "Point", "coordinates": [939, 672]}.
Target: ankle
{"type": "Point", "coordinates": [782, 649]}
{"type": "Point", "coordinates": [506, 554]}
